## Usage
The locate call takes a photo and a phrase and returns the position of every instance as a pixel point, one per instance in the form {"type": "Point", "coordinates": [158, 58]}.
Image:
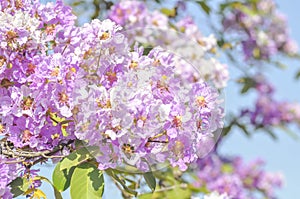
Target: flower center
{"type": "Point", "coordinates": [26, 136]}
{"type": "Point", "coordinates": [63, 97]}
{"type": "Point", "coordinates": [133, 64]}
{"type": "Point", "coordinates": [55, 136]}
{"type": "Point", "coordinates": [2, 61]}
{"type": "Point", "coordinates": [106, 104]}
{"type": "Point", "coordinates": [19, 4]}
{"type": "Point", "coordinates": [2, 128]}
{"type": "Point", "coordinates": [30, 69]}
{"type": "Point", "coordinates": [50, 29]}
{"type": "Point", "coordinates": [104, 36]}
{"type": "Point", "coordinates": [127, 148]}
{"type": "Point", "coordinates": [11, 35]}
{"type": "Point", "coordinates": [55, 72]}
{"type": "Point", "coordinates": [156, 62]}
{"type": "Point", "coordinates": [111, 76]}
{"type": "Point", "coordinates": [177, 121]}
{"type": "Point", "coordinates": [178, 148]}
{"type": "Point", "coordinates": [27, 103]}
{"type": "Point", "coordinates": [200, 100]}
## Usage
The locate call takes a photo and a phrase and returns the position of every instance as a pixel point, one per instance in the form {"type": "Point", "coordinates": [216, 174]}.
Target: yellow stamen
{"type": "Point", "coordinates": [27, 103]}
{"type": "Point", "coordinates": [164, 77]}
{"type": "Point", "coordinates": [55, 72]}
{"type": "Point", "coordinates": [104, 36]}
{"type": "Point", "coordinates": [127, 148]}
{"type": "Point", "coordinates": [200, 100]}
{"type": "Point", "coordinates": [2, 128]}
{"type": "Point", "coordinates": [2, 61]}
{"type": "Point", "coordinates": [133, 65]}
{"type": "Point", "coordinates": [55, 136]}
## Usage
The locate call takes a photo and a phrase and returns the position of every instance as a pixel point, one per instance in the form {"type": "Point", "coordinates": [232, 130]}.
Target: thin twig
{"type": "Point", "coordinates": [124, 193]}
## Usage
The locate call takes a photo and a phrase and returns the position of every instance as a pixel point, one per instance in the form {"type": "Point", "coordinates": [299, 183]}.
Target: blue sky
{"type": "Point", "coordinates": [281, 155]}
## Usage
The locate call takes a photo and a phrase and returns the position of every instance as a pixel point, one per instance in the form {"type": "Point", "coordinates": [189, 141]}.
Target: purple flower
{"type": "Point", "coordinates": [8, 172]}
{"type": "Point", "coordinates": [264, 33]}
{"type": "Point", "coordinates": [236, 178]}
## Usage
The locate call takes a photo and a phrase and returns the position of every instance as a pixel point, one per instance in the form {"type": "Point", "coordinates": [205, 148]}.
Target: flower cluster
{"type": "Point", "coordinates": [236, 178]}
{"type": "Point", "coordinates": [152, 28]}
{"type": "Point", "coordinates": [8, 172]}
{"type": "Point", "coordinates": [37, 68]}
{"type": "Point", "coordinates": [263, 29]}
{"type": "Point", "coordinates": [59, 82]}
{"type": "Point", "coordinates": [145, 113]}
{"type": "Point", "coordinates": [270, 112]}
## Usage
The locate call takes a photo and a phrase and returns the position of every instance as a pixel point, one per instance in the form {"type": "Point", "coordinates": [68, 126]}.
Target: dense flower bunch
{"type": "Point", "coordinates": [138, 90]}
{"type": "Point", "coordinates": [60, 82]}
{"type": "Point", "coordinates": [237, 179]}
{"type": "Point", "coordinates": [270, 112]}
{"type": "Point", "coordinates": [153, 28]}
{"type": "Point", "coordinates": [36, 73]}
{"type": "Point", "coordinates": [146, 114]}
{"type": "Point", "coordinates": [263, 29]}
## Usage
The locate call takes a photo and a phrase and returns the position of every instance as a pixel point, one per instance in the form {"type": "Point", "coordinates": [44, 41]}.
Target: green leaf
{"type": "Point", "coordinates": [281, 65]}
{"type": "Point", "coordinates": [77, 3]}
{"type": "Point", "coordinates": [297, 75]}
{"type": "Point", "coordinates": [227, 168]}
{"type": "Point", "coordinates": [87, 182]}
{"type": "Point", "coordinates": [150, 180]}
{"type": "Point", "coordinates": [75, 158]}
{"type": "Point", "coordinates": [289, 132]}
{"type": "Point", "coordinates": [204, 7]}
{"type": "Point", "coordinates": [246, 9]}
{"type": "Point", "coordinates": [62, 178]}
{"type": "Point", "coordinates": [248, 83]}
{"type": "Point", "coordinates": [197, 189]}
{"type": "Point", "coordinates": [226, 130]}
{"type": "Point", "coordinates": [271, 133]}
{"type": "Point", "coordinates": [223, 6]}
{"type": "Point", "coordinates": [19, 186]}
{"type": "Point", "coordinates": [169, 12]}
{"type": "Point", "coordinates": [146, 196]}
{"type": "Point", "coordinates": [179, 192]}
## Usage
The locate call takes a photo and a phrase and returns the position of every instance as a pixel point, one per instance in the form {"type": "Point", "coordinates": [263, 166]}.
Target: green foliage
{"type": "Point", "coordinates": [248, 83]}
{"type": "Point", "coordinates": [19, 186]}
{"type": "Point", "coordinates": [150, 180]}
{"type": "Point", "coordinates": [175, 192]}
{"type": "Point", "coordinates": [57, 194]}
{"type": "Point", "coordinates": [87, 182]}
{"type": "Point", "coordinates": [297, 75]}
{"type": "Point", "coordinates": [204, 6]}
{"type": "Point", "coordinates": [75, 158]}
{"type": "Point", "coordinates": [22, 186]}
{"type": "Point", "coordinates": [169, 12]}
{"type": "Point", "coordinates": [62, 178]}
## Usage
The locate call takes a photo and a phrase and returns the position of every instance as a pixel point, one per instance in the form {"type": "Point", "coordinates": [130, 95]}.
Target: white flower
{"type": "Point", "coordinates": [216, 195]}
